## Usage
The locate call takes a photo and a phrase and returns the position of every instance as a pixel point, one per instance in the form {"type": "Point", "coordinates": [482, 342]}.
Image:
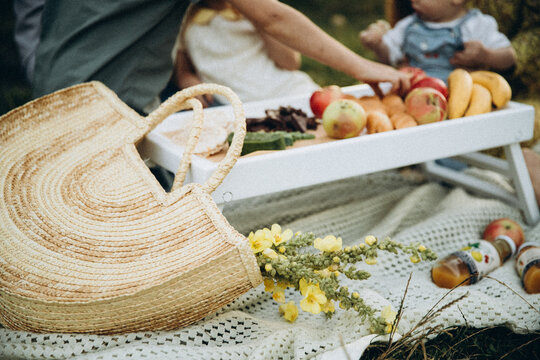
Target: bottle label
{"type": "Point", "coordinates": [527, 258]}
{"type": "Point", "coordinates": [481, 258]}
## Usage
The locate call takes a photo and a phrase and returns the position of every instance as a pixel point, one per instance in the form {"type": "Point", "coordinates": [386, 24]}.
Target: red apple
{"type": "Point", "coordinates": [320, 99]}
{"type": "Point", "coordinates": [415, 74]}
{"type": "Point", "coordinates": [426, 105]}
{"type": "Point", "coordinates": [344, 118]}
{"type": "Point", "coordinates": [504, 226]}
{"type": "Point", "coordinates": [432, 82]}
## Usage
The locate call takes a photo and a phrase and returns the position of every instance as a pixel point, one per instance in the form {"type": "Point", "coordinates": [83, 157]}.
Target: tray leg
{"type": "Point", "coordinates": [514, 168]}
{"type": "Point", "coordinates": [469, 182]}
{"type": "Point", "coordinates": [522, 182]}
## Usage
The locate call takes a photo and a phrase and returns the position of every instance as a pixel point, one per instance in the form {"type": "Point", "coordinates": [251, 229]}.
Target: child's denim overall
{"type": "Point", "coordinates": [431, 49]}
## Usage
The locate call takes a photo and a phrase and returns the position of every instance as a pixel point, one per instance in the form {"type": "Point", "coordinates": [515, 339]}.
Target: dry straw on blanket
{"type": "Point", "coordinates": [89, 240]}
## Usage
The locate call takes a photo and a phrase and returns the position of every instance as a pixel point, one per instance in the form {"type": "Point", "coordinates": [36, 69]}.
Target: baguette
{"type": "Point", "coordinates": [394, 104]}
{"type": "Point", "coordinates": [402, 120]}
{"type": "Point", "coordinates": [378, 121]}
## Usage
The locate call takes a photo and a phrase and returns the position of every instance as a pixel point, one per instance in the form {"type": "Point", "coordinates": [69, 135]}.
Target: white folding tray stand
{"type": "Point", "coordinates": [308, 165]}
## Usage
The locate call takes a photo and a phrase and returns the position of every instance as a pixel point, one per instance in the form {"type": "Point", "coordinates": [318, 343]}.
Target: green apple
{"type": "Point", "coordinates": [344, 119]}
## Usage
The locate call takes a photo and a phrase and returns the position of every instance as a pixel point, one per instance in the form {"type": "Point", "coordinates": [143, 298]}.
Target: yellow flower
{"type": "Point", "coordinates": [370, 240]}
{"type": "Point", "coordinates": [371, 261]}
{"type": "Point", "coordinates": [268, 267]}
{"type": "Point", "coordinates": [268, 285]}
{"type": "Point", "coordinates": [303, 286]}
{"type": "Point", "coordinates": [278, 296]}
{"type": "Point", "coordinates": [260, 240]}
{"type": "Point", "coordinates": [314, 298]}
{"type": "Point", "coordinates": [388, 314]}
{"type": "Point", "coordinates": [269, 253]}
{"type": "Point", "coordinates": [421, 248]}
{"type": "Point", "coordinates": [328, 306]}
{"type": "Point", "coordinates": [328, 244]}
{"type": "Point", "coordinates": [414, 259]}
{"type": "Point", "coordinates": [278, 237]}
{"type": "Point", "coordinates": [289, 311]}
{"type": "Point", "coordinates": [283, 285]}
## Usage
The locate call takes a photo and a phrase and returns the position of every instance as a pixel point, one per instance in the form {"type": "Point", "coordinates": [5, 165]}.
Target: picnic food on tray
{"type": "Point", "coordinates": [473, 93]}
{"type": "Point", "coordinates": [284, 118]}
{"type": "Point", "coordinates": [428, 100]}
{"type": "Point", "coordinates": [343, 115]}
{"type": "Point", "coordinates": [276, 130]}
{"type": "Point", "coordinates": [321, 98]}
{"type": "Point", "coordinates": [426, 105]}
{"type": "Point", "coordinates": [276, 140]}
{"type": "Point", "coordinates": [343, 119]}
{"type": "Point", "coordinates": [216, 127]}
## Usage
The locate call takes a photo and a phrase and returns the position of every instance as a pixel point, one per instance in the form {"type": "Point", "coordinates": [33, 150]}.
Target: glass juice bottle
{"type": "Point", "coordinates": [528, 267]}
{"type": "Point", "coordinates": [472, 262]}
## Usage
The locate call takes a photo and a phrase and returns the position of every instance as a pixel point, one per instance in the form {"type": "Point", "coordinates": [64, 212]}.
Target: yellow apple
{"type": "Point", "coordinates": [344, 119]}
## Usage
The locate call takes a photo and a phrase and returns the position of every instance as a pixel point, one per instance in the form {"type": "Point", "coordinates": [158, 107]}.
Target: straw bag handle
{"type": "Point", "coordinates": [180, 101]}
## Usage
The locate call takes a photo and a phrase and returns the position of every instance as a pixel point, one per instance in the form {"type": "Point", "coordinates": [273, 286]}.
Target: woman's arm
{"type": "Point", "coordinates": [295, 30]}
{"type": "Point", "coordinates": [284, 57]}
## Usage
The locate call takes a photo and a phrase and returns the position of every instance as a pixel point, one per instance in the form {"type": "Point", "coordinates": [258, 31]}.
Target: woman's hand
{"type": "Point", "coordinates": [375, 73]}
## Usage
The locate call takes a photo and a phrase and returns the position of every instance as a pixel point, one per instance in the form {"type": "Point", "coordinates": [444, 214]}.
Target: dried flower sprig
{"type": "Point", "coordinates": [289, 260]}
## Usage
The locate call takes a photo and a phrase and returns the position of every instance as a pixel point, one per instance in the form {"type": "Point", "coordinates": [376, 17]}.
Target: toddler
{"type": "Point", "coordinates": [439, 36]}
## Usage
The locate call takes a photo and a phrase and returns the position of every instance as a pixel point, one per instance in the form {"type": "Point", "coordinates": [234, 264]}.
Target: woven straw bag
{"type": "Point", "coordinates": [89, 240]}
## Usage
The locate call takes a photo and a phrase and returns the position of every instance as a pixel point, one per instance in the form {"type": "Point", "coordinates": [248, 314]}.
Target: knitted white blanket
{"type": "Point", "coordinates": [382, 204]}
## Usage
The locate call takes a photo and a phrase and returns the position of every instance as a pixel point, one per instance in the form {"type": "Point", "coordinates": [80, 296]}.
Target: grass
{"type": "Point", "coordinates": [342, 20]}
{"type": "Point", "coordinates": [465, 343]}
{"type": "Point", "coordinates": [427, 341]}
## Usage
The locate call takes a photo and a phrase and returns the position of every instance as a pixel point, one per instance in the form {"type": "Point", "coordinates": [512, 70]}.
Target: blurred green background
{"type": "Point", "coordinates": [341, 19]}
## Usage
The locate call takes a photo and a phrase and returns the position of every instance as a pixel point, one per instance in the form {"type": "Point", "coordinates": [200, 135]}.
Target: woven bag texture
{"type": "Point", "coordinates": [89, 240]}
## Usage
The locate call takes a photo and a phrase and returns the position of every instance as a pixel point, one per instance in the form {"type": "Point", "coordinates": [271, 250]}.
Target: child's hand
{"type": "Point", "coordinates": [372, 36]}
{"type": "Point", "coordinates": [472, 56]}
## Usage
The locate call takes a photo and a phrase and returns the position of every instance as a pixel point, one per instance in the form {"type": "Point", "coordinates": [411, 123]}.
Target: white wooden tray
{"type": "Point", "coordinates": [308, 165]}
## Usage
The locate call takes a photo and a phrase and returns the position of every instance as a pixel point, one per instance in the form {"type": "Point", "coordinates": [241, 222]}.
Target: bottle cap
{"type": "Point", "coordinates": [526, 244]}
{"type": "Point", "coordinates": [509, 241]}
